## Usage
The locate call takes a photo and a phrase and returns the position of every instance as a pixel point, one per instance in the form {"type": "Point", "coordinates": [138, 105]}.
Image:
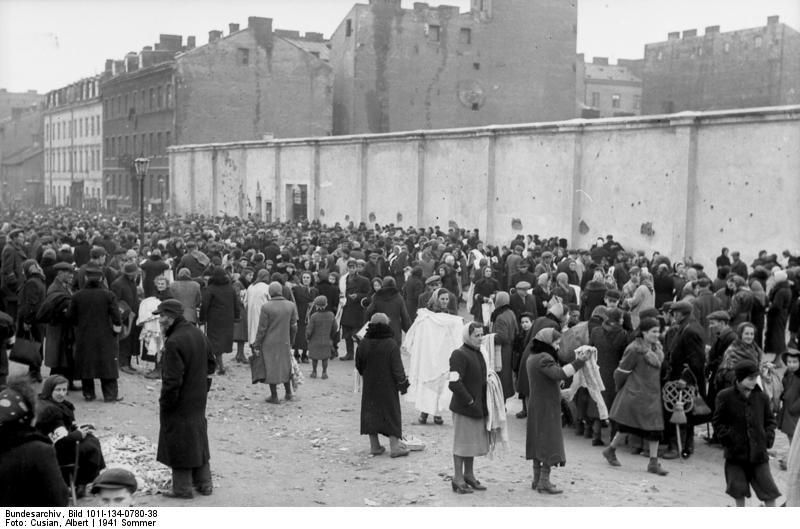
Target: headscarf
{"type": "Point", "coordinates": [548, 336]}
{"type": "Point", "coordinates": [468, 329]}
{"type": "Point", "coordinates": [562, 279]}
{"type": "Point", "coordinates": [379, 318]}
{"type": "Point", "coordinates": [501, 299]}
{"type": "Point", "coordinates": [433, 302]}
{"type": "Point", "coordinates": [184, 273]}
{"type": "Point", "coordinates": [262, 276]}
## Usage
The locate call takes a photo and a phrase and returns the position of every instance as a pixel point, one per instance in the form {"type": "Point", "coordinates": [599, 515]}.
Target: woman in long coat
{"type": "Point", "coordinates": [277, 325]}
{"type": "Point", "coordinates": [320, 332]}
{"type": "Point", "coordinates": [780, 302]}
{"type": "Point", "coordinates": [637, 407]}
{"type": "Point", "coordinates": [505, 327]}
{"type": "Point", "coordinates": [219, 310]}
{"type": "Point", "coordinates": [257, 296]}
{"type": "Point", "coordinates": [93, 311]}
{"type": "Point", "coordinates": [304, 295]}
{"type": "Point", "coordinates": [485, 289]}
{"type": "Point", "coordinates": [187, 291]}
{"type": "Point", "coordinates": [388, 301]}
{"type": "Point", "coordinates": [544, 442]}
{"type": "Point", "coordinates": [378, 361]}
{"type": "Point", "coordinates": [31, 297]}
{"type": "Point", "coordinates": [240, 327]}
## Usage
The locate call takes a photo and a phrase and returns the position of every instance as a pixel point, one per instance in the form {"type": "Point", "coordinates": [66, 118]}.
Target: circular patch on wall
{"type": "Point", "coordinates": [471, 94]}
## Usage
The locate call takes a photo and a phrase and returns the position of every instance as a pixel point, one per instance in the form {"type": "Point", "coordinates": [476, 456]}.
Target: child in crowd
{"type": "Point", "coordinates": [790, 399]}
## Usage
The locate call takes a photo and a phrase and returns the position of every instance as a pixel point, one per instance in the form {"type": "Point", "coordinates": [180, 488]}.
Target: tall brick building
{"type": "Point", "coordinates": [73, 162]}
{"type": "Point", "coordinates": [20, 100]}
{"type": "Point", "coordinates": [608, 90]}
{"type": "Point", "coordinates": [754, 67]}
{"type": "Point", "coordinates": [252, 83]}
{"type": "Point", "coordinates": [21, 157]}
{"type": "Point", "coordinates": [504, 61]}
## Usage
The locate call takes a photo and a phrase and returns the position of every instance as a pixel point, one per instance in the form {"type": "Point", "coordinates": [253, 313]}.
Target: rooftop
{"type": "Point", "coordinates": [610, 73]}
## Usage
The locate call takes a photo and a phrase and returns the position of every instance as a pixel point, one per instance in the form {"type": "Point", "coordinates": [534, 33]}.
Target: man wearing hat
{"type": "Point", "coordinates": [745, 426]}
{"type": "Point", "coordinates": [356, 288]}
{"type": "Point", "coordinates": [686, 349]}
{"type": "Point", "coordinates": [523, 275]}
{"type": "Point", "coordinates": [431, 284]}
{"type": "Point", "coordinates": [522, 300]}
{"type": "Point", "coordinates": [97, 257]}
{"type": "Point", "coordinates": [611, 299]}
{"type": "Point", "coordinates": [183, 434]}
{"type": "Point", "coordinates": [11, 273]}
{"type": "Point", "coordinates": [704, 303]}
{"type": "Point", "coordinates": [116, 487]}
{"type": "Point", "coordinates": [125, 288]}
{"type": "Point", "coordinates": [724, 336]}
{"type": "Point", "coordinates": [58, 332]}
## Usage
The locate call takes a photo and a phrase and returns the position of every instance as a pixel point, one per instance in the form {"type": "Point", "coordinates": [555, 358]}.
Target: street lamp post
{"type": "Point", "coordinates": [161, 194]}
{"type": "Point", "coordinates": [142, 165]}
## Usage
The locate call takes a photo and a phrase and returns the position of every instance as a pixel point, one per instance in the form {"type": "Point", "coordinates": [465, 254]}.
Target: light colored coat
{"type": "Point", "coordinates": [255, 298]}
{"type": "Point", "coordinates": [277, 326]}
{"type": "Point", "coordinates": [188, 293]}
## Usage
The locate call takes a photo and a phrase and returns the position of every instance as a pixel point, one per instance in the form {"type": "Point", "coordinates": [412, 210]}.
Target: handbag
{"type": "Point", "coordinates": [258, 369]}
{"type": "Point", "coordinates": [26, 351]}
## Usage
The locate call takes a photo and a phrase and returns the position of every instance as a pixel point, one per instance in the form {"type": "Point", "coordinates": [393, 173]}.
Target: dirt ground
{"type": "Point", "coordinates": [308, 452]}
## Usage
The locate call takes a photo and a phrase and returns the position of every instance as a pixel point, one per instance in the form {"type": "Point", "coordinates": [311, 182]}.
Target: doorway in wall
{"type": "Point", "coordinates": [297, 201]}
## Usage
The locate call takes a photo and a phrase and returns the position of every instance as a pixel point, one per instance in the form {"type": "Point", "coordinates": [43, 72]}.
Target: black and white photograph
{"type": "Point", "coordinates": [384, 253]}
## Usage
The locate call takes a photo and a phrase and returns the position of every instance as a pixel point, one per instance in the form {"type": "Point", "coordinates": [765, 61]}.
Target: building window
{"type": "Point", "coordinates": [160, 147]}
{"type": "Point", "coordinates": [144, 145]}
{"type": "Point", "coordinates": [150, 145]}
{"type": "Point", "coordinates": [169, 96]}
{"type": "Point", "coordinates": [159, 100]}
{"type": "Point", "coordinates": [465, 36]}
{"type": "Point", "coordinates": [152, 98]}
{"type": "Point", "coordinates": [167, 138]}
{"type": "Point", "coordinates": [434, 33]}
{"type": "Point", "coordinates": [660, 55]}
{"type": "Point", "coordinates": [726, 47]}
{"type": "Point", "coordinates": [615, 101]}
{"type": "Point", "coordinates": [595, 99]}
{"type": "Point", "coordinates": [144, 100]}
{"type": "Point", "coordinates": [244, 56]}
{"type": "Point", "coordinates": [135, 150]}
{"type": "Point", "coordinates": [637, 102]}
{"type": "Point", "coordinates": [348, 28]}
{"type": "Point", "coordinates": [758, 41]}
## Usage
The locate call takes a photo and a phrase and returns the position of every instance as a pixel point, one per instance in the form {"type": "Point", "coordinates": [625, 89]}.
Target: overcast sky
{"type": "Point", "coordinates": [46, 44]}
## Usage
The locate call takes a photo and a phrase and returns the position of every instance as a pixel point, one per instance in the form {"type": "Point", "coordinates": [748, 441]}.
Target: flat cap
{"type": "Point", "coordinates": [433, 279]}
{"type": "Point", "coordinates": [719, 315]}
{"type": "Point", "coordinates": [170, 306]}
{"type": "Point", "coordinates": [62, 266]}
{"type": "Point", "coordinates": [681, 306]}
{"type": "Point", "coordinates": [613, 294]}
{"type": "Point", "coordinates": [523, 285]}
{"type": "Point", "coordinates": [115, 478]}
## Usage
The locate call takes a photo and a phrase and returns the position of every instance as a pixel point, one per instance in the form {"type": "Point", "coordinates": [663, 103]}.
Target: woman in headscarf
{"type": "Point", "coordinates": [257, 295]}
{"type": "Point", "coordinates": [31, 297]}
{"type": "Point", "coordinates": [55, 418]}
{"type": "Point", "coordinates": [544, 440]}
{"type": "Point", "coordinates": [320, 331]}
{"type": "Point", "coordinates": [541, 292]}
{"type": "Point", "coordinates": [304, 295]}
{"type": "Point", "coordinates": [440, 301]}
{"type": "Point", "coordinates": [637, 407]}
{"type": "Point", "coordinates": [468, 383]}
{"type": "Point", "coordinates": [504, 327]}
{"type": "Point", "coordinates": [387, 301]}
{"type": "Point", "coordinates": [564, 291]}
{"type": "Point", "coordinates": [594, 294]}
{"type": "Point", "coordinates": [219, 310]}
{"type": "Point", "coordinates": [744, 347]}
{"type": "Point", "coordinates": [245, 277]}
{"type": "Point", "coordinates": [378, 362]}
{"type": "Point", "coordinates": [663, 285]}
{"type": "Point", "coordinates": [29, 472]}
{"type": "Point", "coordinates": [485, 289]}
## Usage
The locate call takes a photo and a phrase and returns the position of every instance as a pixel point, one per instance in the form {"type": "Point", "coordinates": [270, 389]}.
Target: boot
{"type": "Point", "coordinates": [220, 367]}
{"type": "Point", "coordinates": [304, 358]}
{"type": "Point", "coordinates": [610, 454]}
{"type": "Point", "coordinates": [655, 468]}
{"type": "Point", "coordinates": [155, 373]}
{"type": "Point", "coordinates": [537, 474]}
{"type": "Point", "coordinates": [597, 434]}
{"type": "Point", "coordinates": [671, 452]}
{"type": "Point", "coordinates": [580, 428]}
{"type": "Point", "coordinates": [544, 485]}
{"type": "Point", "coordinates": [240, 358]}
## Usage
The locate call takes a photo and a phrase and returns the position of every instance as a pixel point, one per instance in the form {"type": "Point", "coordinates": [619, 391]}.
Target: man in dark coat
{"type": "Point", "coordinates": [11, 273]}
{"type": "Point", "coordinates": [686, 350]}
{"type": "Point", "coordinates": [745, 426]}
{"type": "Point", "coordinates": [82, 249]}
{"type": "Point", "coordinates": [610, 340]}
{"type": "Point", "coordinates": [153, 267]}
{"type": "Point", "coordinates": [58, 331]}
{"type": "Point", "coordinates": [31, 296]}
{"type": "Point", "coordinates": [387, 301]}
{"type": "Point", "coordinates": [219, 310]}
{"type": "Point", "coordinates": [780, 303]}
{"type": "Point", "coordinates": [704, 303]}
{"type": "Point", "coordinates": [93, 313]}
{"type": "Point", "coordinates": [357, 288]}
{"type": "Point", "coordinates": [724, 336]}
{"type": "Point", "coordinates": [378, 361]}
{"type": "Point", "coordinates": [125, 289]}
{"type": "Point", "coordinates": [97, 257]}
{"type": "Point", "coordinates": [412, 290]}
{"type": "Point", "coordinates": [522, 300]}
{"type": "Point", "coordinates": [183, 434]}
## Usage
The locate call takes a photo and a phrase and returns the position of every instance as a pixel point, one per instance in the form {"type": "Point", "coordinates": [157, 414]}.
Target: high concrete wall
{"type": "Point", "coordinates": [683, 184]}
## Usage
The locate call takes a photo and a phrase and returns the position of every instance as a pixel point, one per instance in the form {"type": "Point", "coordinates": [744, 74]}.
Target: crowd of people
{"type": "Point", "coordinates": [586, 338]}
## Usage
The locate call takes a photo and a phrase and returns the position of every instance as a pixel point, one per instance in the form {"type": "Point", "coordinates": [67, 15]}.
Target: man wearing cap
{"type": "Point", "coordinates": [125, 288]}
{"type": "Point", "coordinates": [431, 284]}
{"type": "Point", "coordinates": [183, 434]}
{"type": "Point", "coordinates": [116, 487]}
{"type": "Point", "coordinates": [512, 263]}
{"type": "Point", "coordinates": [545, 266]}
{"type": "Point", "coordinates": [738, 267]}
{"type": "Point", "coordinates": [522, 300]}
{"type": "Point", "coordinates": [745, 425]}
{"type": "Point", "coordinates": [611, 300]}
{"type": "Point", "coordinates": [97, 257]}
{"type": "Point", "coordinates": [58, 332]}
{"type": "Point", "coordinates": [11, 274]}
{"type": "Point", "coordinates": [686, 349]}
{"type": "Point", "coordinates": [94, 314]}
{"type": "Point", "coordinates": [356, 288]}
{"type": "Point", "coordinates": [724, 336]}
{"type": "Point", "coordinates": [523, 275]}
{"type": "Point", "coordinates": [704, 303]}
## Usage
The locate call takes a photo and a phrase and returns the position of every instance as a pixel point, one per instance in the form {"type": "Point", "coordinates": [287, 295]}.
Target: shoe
{"type": "Point", "coordinates": [537, 475]}
{"type": "Point", "coordinates": [313, 374]}
{"type": "Point", "coordinates": [240, 359]}
{"type": "Point", "coordinates": [461, 489]}
{"type": "Point", "coordinates": [221, 371]}
{"type": "Point", "coordinates": [610, 454]}
{"type": "Point", "coordinates": [288, 397]}
{"type": "Point", "coordinates": [177, 495]}
{"type": "Point", "coordinates": [346, 358]}
{"type": "Point", "coordinates": [273, 400]}
{"type": "Point", "coordinates": [580, 429]}
{"type": "Point", "coordinates": [324, 376]}
{"type": "Point", "coordinates": [655, 468]}
{"type": "Point", "coordinates": [113, 399]}
{"type": "Point", "coordinates": [438, 420]}
{"type": "Point", "coordinates": [474, 483]}
{"type": "Point", "coordinates": [154, 374]}
{"type": "Point", "coordinates": [129, 370]}
{"type": "Point", "coordinates": [670, 454]}
{"type": "Point", "coordinates": [522, 414]}
{"type": "Point", "coordinates": [545, 487]}
{"type": "Point", "coordinates": [72, 387]}
{"type": "Point", "coordinates": [423, 418]}
{"type": "Point", "coordinates": [205, 491]}
{"type": "Point", "coordinates": [379, 452]}
{"type": "Point", "coordinates": [400, 452]}
{"type": "Point", "coordinates": [686, 454]}
{"type": "Point", "coordinates": [304, 359]}
{"type": "Point", "coordinates": [598, 442]}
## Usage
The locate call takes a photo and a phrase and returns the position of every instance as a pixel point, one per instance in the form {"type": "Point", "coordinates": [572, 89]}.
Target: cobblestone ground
{"type": "Point", "coordinates": [308, 452]}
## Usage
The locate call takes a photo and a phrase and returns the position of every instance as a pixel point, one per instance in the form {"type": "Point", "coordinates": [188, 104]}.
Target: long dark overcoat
{"type": "Point", "coordinates": [778, 316]}
{"type": "Point", "coordinates": [378, 361]}
{"type": "Point", "coordinates": [388, 301]}
{"type": "Point", "coordinates": [544, 441]}
{"type": "Point", "coordinates": [219, 310]}
{"type": "Point", "coordinates": [187, 362]}
{"type": "Point", "coordinates": [610, 339]}
{"type": "Point", "coordinates": [93, 311]}
{"type": "Point", "coordinates": [303, 297]}
{"type": "Point", "coordinates": [353, 311]}
{"type": "Point", "coordinates": [59, 335]}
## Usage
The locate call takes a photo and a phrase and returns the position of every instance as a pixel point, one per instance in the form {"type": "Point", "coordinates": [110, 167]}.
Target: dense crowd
{"type": "Point", "coordinates": [596, 339]}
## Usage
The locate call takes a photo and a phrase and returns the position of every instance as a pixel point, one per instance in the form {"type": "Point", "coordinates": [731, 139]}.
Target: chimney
{"type": "Point", "coordinates": [214, 35]}
{"type": "Point", "coordinates": [190, 42]}
{"type": "Point", "coordinates": [131, 62]}
{"type": "Point", "coordinates": [119, 67]}
{"type": "Point", "coordinates": [170, 42]}
{"type": "Point", "coordinates": [109, 65]}
{"type": "Point", "coordinates": [774, 19]}
{"type": "Point", "coordinates": [147, 48]}
{"type": "Point", "coordinates": [232, 28]}
{"type": "Point", "coordinates": [314, 37]}
{"type": "Point", "coordinates": [712, 30]}
{"type": "Point", "coordinates": [689, 33]}
{"type": "Point", "coordinates": [603, 61]}
{"type": "Point", "coordinates": [674, 35]}
{"type": "Point", "coordinates": [262, 31]}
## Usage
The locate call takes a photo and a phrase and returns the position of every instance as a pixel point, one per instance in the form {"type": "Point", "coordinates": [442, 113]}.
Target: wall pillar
{"type": "Point", "coordinates": [243, 198]}
{"type": "Point", "coordinates": [277, 202]}
{"type": "Point", "coordinates": [363, 179]}
{"type": "Point", "coordinates": [315, 171]}
{"type": "Point", "coordinates": [214, 182]}
{"type": "Point", "coordinates": [685, 128]}
{"type": "Point", "coordinates": [577, 195]}
{"type": "Point", "coordinates": [491, 189]}
{"type": "Point", "coordinates": [421, 149]}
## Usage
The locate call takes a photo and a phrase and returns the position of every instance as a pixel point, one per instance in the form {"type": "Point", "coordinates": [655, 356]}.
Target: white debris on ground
{"type": "Point", "coordinates": [137, 454]}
